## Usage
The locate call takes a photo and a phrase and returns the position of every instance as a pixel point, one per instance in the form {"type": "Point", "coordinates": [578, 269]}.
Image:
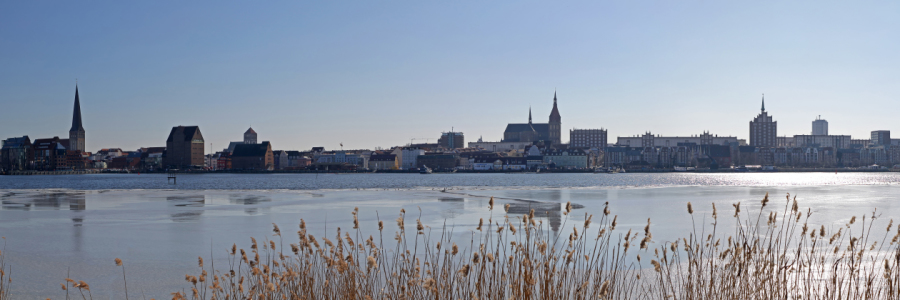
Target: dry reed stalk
{"type": "Point", "coordinates": [781, 257]}
{"type": "Point", "coordinates": [775, 259]}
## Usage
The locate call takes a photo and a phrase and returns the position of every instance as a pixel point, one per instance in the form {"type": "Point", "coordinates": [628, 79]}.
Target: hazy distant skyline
{"type": "Point", "coordinates": [375, 74]}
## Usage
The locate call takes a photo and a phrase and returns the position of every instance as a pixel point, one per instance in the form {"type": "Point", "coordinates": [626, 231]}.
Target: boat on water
{"type": "Point", "coordinates": [425, 170]}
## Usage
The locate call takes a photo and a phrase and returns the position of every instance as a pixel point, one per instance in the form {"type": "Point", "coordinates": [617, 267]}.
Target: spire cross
{"type": "Point", "coordinates": [763, 102]}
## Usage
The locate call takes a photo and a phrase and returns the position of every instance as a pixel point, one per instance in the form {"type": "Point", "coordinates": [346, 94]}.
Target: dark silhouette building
{"type": "Point", "coordinates": [184, 148]}
{"type": "Point", "coordinates": [532, 132]}
{"type": "Point", "coordinates": [16, 154]}
{"type": "Point", "coordinates": [555, 124]}
{"type": "Point", "coordinates": [76, 133]}
{"type": "Point", "coordinates": [253, 157]}
{"type": "Point", "coordinates": [250, 136]}
{"type": "Point", "coordinates": [49, 154]}
{"type": "Point", "coordinates": [762, 129]}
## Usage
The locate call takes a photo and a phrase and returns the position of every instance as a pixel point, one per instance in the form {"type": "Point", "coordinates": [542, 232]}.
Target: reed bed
{"type": "Point", "coordinates": [519, 257]}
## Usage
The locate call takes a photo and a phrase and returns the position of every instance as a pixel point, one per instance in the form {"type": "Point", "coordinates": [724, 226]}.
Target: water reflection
{"type": "Point", "coordinates": [547, 210]}
{"type": "Point", "coordinates": [54, 200]}
{"type": "Point", "coordinates": [243, 199]}
{"type": "Point", "coordinates": [454, 207]}
{"type": "Point", "coordinates": [187, 207]}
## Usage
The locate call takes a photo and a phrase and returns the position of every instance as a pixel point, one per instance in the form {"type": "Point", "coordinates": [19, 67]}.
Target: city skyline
{"type": "Point", "coordinates": [76, 120]}
{"type": "Point", "coordinates": [375, 75]}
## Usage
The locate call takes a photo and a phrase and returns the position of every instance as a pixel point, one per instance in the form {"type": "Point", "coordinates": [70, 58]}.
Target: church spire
{"type": "Point", "coordinates": [554, 114]}
{"type": "Point", "coordinates": [76, 113]}
{"type": "Point", "coordinates": [763, 103]}
{"type": "Point", "coordinates": [529, 115]}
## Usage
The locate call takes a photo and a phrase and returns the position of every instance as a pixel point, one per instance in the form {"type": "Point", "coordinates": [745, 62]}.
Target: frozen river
{"type": "Point", "coordinates": [56, 225]}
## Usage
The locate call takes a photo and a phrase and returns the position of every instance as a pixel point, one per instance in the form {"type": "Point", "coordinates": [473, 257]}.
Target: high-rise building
{"type": "Point", "coordinates": [880, 138]}
{"type": "Point", "coordinates": [820, 126]}
{"type": "Point", "coordinates": [76, 133]}
{"type": "Point", "coordinates": [762, 129]}
{"type": "Point", "coordinates": [452, 140]}
{"type": "Point", "coordinates": [587, 138]}
{"type": "Point", "coordinates": [184, 147]}
{"type": "Point", "coordinates": [250, 136]}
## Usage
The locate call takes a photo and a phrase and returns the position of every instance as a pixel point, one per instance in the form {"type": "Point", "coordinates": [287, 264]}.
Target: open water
{"type": "Point", "coordinates": [74, 226]}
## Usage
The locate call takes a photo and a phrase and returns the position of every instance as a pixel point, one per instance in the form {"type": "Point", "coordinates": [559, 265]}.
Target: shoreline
{"type": "Point", "coordinates": [791, 170]}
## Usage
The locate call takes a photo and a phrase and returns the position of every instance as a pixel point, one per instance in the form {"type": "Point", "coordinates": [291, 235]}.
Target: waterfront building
{"type": "Point", "coordinates": [76, 132]}
{"type": "Point", "coordinates": [151, 157]}
{"type": "Point", "coordinates": [763, 130]}
{"type": "Point", "coordinates": [452, 140]}
{"type": "Point", "coordinates": [532, 132]}
{"type": "Point", "coordinates": [437, 160]}
{"type": "Point", "coordinates": [250, 136]}
{"type": "Point", "coordinates": [253, 157]}
{"type": "Point", "coordinates": [49, 154]}
{"type": "Point", "coordinates": [408, 156]}
{"type": "Point", "coordinates": [848, 157]}
{"type": "Point", "coordinates": [566, 158]}
{"type": "Point", "coordinates": [107, 154]}
{"type": "Point", "coordinates": [467, 157]}
{"type": "Point", "coordinates": [184, 148]}
{"type": "Point", "coordinates": [212, 161]}
{"type": "Point", "coordinates": [224, 162]}
{"type": "Point", "coordinates": [880, 138]}
{"type": "Point", "coordinates": [383, 162]}
{"type": "Point", "coordinates": [296, 160]}
{"type": "Point", "coordinates": [500, 146]}
{"type": "Point", "coordinates": [353, 157]}
{"type": "Point", "coordinates": [806, 141]}
{"type": "Point", "coordinates": [615, 156]}
{"type": "Point", "coordinates": [514, 163]}
{"type": "Point", "coordinates": [485, 163]}
{"type": "Point", "coordinates": [280, 159]}
{"type": "Point", "coordinates": [587, 138]}
{"type": "Point", "coordinates": [820, 126]}
{"type": "Point", "coordinates": [875, 155]}
{"type": "Point", "coordinates": [16, 154]}
{"type": "Point", "coordinates": [784, 141]}
{"type": "Point", "coordinates": [859, 143]}
{"type": "Point", "coordinates": [78, 160]}
{"type": "Point", "coordinates": [650, 140]}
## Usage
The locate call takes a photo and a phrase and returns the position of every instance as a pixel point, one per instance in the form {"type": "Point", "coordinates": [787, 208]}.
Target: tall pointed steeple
{"type": "Point", "coordinates": [555, 124]}
{"type": "Point", "coordinates": [763, 103]}
{"type": "Point", "coordinates": [554, 114]}
{"type": "Point", "coordinates": [76, 133]}
{"type": "Point", "coordinates": [76, 113]}
{"type": "Point", "coordinates": [529, 115]}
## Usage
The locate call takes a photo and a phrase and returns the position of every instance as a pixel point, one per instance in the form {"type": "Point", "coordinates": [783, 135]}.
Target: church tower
{"type": "Point", "coordinates": [250, 136]}
{"type": "Point", "coordinates": [555, 124]}
{"type": "Point", "coordinates": [76, 133]}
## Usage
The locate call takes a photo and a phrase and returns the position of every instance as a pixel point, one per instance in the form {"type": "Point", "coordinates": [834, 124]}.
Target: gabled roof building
{"type": "Point", "coordinates": [253, 157]}
{"type": "Point", "coordinates": [184, 148]}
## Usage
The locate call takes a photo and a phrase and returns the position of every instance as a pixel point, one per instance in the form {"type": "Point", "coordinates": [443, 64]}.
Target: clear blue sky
{"type": "Point", "coordinates": [377, 73]}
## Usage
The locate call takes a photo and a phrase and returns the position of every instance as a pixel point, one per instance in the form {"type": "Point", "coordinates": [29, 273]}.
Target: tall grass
{"type": "Point", "coordinates": [519, 257]}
